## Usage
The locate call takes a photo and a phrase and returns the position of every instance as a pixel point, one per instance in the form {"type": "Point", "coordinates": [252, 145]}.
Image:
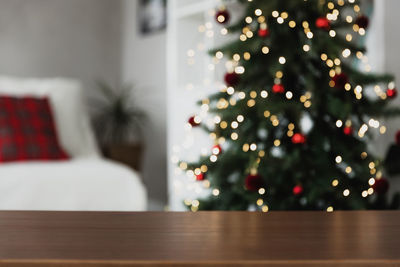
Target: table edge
{"type": "Point", "coordinates": [67, 262]}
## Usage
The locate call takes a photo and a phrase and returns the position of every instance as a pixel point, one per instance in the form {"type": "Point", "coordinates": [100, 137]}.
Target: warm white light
{"type": "Point", "coordinates": [265, 50]}
{"type": "Point", "coordinates": [338, 159]}
{"type": "Point", "coordinates": [253, 147]}
{"type": "Point", "coordinates": [239, 69]}
{"type": "Point", "coordinates": [264, 94]}
{"type": "Point", "coordinates": [346, 53]}
{"type": "Point", "coordinates": [373, 123]}
{"type": "Point", "coordinates": [215, 192]}
{"type": "Point", "coordinates": [213, 158]}
{"type": "Point", "coordinates": [230, 90]}
{"type": "Point", "coordinates": [234, 136]}
{"type": "Point", "coordinates": [197, 119]}
{"type": "Point", "coordinates": [346, 192]}
{"type": "Point", "coordinates": [371, 181]}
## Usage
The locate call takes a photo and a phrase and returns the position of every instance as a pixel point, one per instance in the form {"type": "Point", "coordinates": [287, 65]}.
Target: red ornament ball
{"type": "Point", "coordinates": [391, 93]}
{"type": "Point", "coordinates": [381, 186]}
{"type": "Point", "coordinates": [398, 138]}
{"type": "Point", "coordinates": [340, 80]}
{"type": "Point", "coordinates": [278, 89]}
{"type": "Point", "coordinates": [192, 121]}
{"type": "Point", "coordinates": [222, 16]}
{"type": "Point", "coordinates": [298, 138]}
{"type": "Point", "coordinates": [216, 150]}
{"type": "Point", "coordinates": [348, 130]}
{"type": "Point", "coordinates": [200, 177]}
{"type": "Point", "coordinates": [298, 190]}
{"type": "Point", "coordinates": [323, 23]}
{"type": "Point", "coordinates": [263, 32]}
{"type": "Point", "coordinates": [232, 79]}
{"type": "Point", "coordinates": [362, 21]}
{"type": "Point", "coordinates": [254, 182]}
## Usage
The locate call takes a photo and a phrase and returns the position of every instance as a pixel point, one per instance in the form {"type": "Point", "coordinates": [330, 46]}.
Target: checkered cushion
{"type": "Point", "coordinates": [27, 130]}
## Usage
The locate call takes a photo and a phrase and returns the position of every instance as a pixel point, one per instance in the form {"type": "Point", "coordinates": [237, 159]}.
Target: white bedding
{"type": "Point", "coordinates": [79, 184]}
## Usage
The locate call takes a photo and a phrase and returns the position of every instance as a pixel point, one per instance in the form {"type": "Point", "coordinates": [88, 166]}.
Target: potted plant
{"type": "Point", "coordinates": [118, 124]}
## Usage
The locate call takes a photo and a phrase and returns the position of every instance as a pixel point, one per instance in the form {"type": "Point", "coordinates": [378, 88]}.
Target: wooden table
{"type": "Point", "coordinates": [199, 239]}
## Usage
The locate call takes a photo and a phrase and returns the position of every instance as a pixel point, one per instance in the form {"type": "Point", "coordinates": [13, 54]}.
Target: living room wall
{"type": "Point", "coordinates": [144, 63]}
{"type": "Point", "coordinates": [73, 38]}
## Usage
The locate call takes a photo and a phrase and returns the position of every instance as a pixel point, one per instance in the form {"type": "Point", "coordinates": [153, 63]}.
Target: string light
{"type": "Point", "coordinates": [258, 12]}
{"type": "Point", "coordinates": [215, 192]}
{"type": "Point", "coordinates": [346, 192]}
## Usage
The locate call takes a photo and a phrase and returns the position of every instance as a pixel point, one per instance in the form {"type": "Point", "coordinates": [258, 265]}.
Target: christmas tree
{"type": "Point", "coordinates": [294, 123]}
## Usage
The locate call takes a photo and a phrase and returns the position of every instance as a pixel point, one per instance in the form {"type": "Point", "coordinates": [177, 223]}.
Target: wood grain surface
{"type": "Point", "coordinates": [354, 238]}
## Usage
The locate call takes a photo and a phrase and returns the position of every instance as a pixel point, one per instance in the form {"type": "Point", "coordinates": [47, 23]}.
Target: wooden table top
{"type": "Point", "coordinates": [200, 239]}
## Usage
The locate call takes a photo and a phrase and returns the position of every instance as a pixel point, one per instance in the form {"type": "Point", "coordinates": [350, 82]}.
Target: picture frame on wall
{"type": "Point", "coordinates": [152, 16]}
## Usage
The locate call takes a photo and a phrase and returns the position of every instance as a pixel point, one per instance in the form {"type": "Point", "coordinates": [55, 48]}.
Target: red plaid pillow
{"type": "Point", "coordinates": [27, 130]}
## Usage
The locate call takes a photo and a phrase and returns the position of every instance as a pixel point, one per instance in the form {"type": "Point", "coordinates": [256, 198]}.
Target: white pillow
{"type": "Point", "coordinates": [66, 98]}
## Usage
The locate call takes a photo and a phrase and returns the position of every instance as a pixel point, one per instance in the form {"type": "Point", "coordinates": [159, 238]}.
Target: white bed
{"type": "Point", "coordinates": [86, 182]}
{"type": "Point", "coordinates": [81, 184]}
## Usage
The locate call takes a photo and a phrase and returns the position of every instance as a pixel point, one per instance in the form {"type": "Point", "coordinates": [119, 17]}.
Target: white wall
{"type": "Point", "coordinates": [70, 38]}
{"type": "Point", "coordinates": [144, 63]}
{"type": "Point", "coordinates": [392, 65]}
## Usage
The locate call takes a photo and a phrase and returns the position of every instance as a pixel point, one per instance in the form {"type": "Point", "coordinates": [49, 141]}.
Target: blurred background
{"type": "Point", "coordinates": [156, 51]}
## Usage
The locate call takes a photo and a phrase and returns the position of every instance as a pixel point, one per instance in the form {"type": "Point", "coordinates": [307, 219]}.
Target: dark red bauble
{"type": "Point", "coordinates": [298, 138]}
{"type": "Point", "coordinates": [263, 32]}
{"type": "Point", "coordinates": [200, 177]}
{"type": "Point", "coordinates": [391, 93]}
{"type": "Point", "coordinates": [278, 89]}
{"type": "Point", "coordinates": [398, 138]}
{"type": "Point", "coordinates": [222, 16]}
{"type": "Point", "coordinates": [362, 21]}
{"type": "Point", "coordinates": [232, 79]}
{"type": "Point", "coordinates": [323, 23]}
{"type": "Point", "coordinates": [216, 150]}
{"type": "Point", "coordinates": [254, 182]}
{"type": "Point", "coordinates": [193, 122]}
{"type": "Point", "coordinates": [381, 186]}
{"type": "Point", "coordinates": [340, 80]}
{"type": "Point", "coordinates": [348, 130]}
{"type": "Point", "coordinates": [298, 190]}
